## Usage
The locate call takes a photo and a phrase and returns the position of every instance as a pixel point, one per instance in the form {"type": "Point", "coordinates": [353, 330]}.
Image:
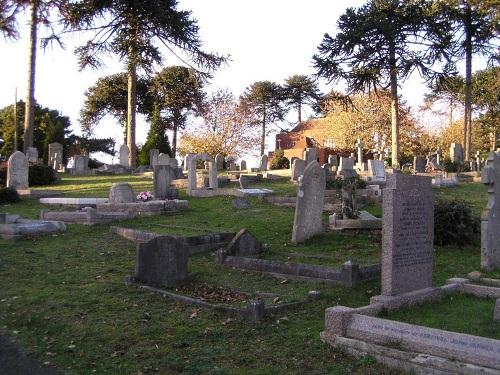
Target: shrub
{"type": "Point", "coordinates": [40, 174]}
{"type": "Point", "coordinates": [336, 183]}
{"type": "Point", "coordinates": [94, 164]}
{"type": "Point", "coordinates": [8, 195]}
{"type": "Point", "coordinates": [454, 167]}
{"type": "Point", "coordinates": [454, 223]}
{"type": "Point", "coordinates": [279, 161]}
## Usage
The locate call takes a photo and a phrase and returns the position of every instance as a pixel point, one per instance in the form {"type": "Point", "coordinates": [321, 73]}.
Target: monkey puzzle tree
{"type": "Point", "coordinates": [299, 90]}
{"type": "Point", "coordinates": [132, 29]}
{"type": "Point", "coordinates": [264, 100]}
{"type": "Point", "coordinates": [382, 43]}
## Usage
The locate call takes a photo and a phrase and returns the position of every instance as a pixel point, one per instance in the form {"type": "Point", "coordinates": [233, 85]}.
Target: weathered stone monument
{"type": "Point", "coordinates": [298, 167]}
{"type": "Point", "coordinates": [219, 161]}
{"type": "Point", "coordinates": [419, 164]}
{"type": "Point", "coordinates": [407, 234]}
{"type": "Point", "coordinates": [17, 171]}
{"type": "Point", "coordinates": [153, 157]}
{"type": "Point", "coordinates": [333, 160]}
{"type": "Point", "coordinates": [309, 207]}
{"type": "Point", "coordinates": [456, 153]}
{"type": "Point", "coordinates": [263, 162]}
{"type": "Point", "coordinates": [213, 183]}
{"type": "Point", "coordinates": [32, 154]}
{"type": "Point", "coordinates": [187, 159]}
{"type": "Point", "coordinates": [345, 163]}
{"type": "Point", "coordinates": [310, 155]}
{"type": "Point", "coordinates": [161, 261]}
{"type": "Point", "coordinates": [376, 170]}
{"type": "Point", "coordinates": [121, 193]}
{"type": "Point", "coordinates": [243, 165]}
{"type": "Point", "coordinates": [490, 217]}
{"type": "Point", "coordinates": [478, 160]}
{"type": "Point", "coordinates": [80, 165]}
{"type": "Point", "coordinates": [163, 159]}
{"type": "Point", "coordinates": [163, 176]}
{"type": "Point", "coordinates": [55, 155]}
{"type": "Point", "coordinates": [124, 154]}
{"type": "Point", "coordinates": [359, 149]}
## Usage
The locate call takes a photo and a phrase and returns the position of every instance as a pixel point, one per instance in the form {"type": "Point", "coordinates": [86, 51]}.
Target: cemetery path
{"type": "Point", "coordinates": [15, 361]}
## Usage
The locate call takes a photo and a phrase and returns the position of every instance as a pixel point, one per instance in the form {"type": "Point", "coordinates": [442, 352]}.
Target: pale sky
{"type": "Point", "coordinates": [267, 40]}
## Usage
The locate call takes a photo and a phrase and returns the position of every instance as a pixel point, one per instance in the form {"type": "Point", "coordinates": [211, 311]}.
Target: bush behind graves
{"type": "Point", "coordinates": [454, 223]}
{"type": "Point", "coordinates": [336, 183]}
{"type": "Point", "coordinates": [454, 167]}
{"type": "Point", "coordinates": [40, 174]}
{"type": "Point", "coordinates": [279, 161]}
{"type": "Point", "coordinates": [8, 195]}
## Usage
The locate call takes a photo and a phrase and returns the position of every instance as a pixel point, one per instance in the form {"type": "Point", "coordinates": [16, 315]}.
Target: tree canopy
{"type": "Point", "coordinates": [299, 90]}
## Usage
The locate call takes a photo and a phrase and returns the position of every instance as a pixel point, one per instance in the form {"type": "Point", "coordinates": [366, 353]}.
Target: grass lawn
{"type": "Point", "coordinates": [64, 297]}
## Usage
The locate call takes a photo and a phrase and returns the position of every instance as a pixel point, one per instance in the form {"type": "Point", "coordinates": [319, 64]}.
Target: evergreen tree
{"type": "Point", "coordinates": [300, 90]}
{"type": "Point", "coordinates": [157, 137]}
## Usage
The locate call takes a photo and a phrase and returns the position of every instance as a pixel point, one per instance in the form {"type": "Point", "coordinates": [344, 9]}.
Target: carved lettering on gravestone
{"type": "Point", "coordinates": [407, 234]}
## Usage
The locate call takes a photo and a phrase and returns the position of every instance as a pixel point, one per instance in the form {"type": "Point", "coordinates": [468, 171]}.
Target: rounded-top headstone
{"type": "Point", "coordinates": [17, 171]}
{"type": "Point", "coordinates": [121, 193]}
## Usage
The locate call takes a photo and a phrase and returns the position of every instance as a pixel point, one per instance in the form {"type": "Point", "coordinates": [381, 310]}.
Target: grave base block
{"type": "Point", "coordinates": [419, 363]}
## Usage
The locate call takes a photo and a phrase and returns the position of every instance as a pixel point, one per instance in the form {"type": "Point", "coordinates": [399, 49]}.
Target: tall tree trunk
{"type": "Point", "coordinates": [394, 106]}
{"type": "Point", "coordinates": [299, 109]}
{"type": "Point", "coordinates": [29, 117]}
{"type": "Point", "coordinates": [263, 136]}
{"type": "Point", "coordinates": [468, 83]}
{"type": "Point", "coordinates": [131, 111]}
{"type": "Point", "coordinates": [174, 138]}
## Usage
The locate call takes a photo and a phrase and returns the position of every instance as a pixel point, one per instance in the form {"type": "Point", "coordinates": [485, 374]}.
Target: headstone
{"type": "Point", "coordinates": [161, 261]}
{"type": "Point", "coordinates": [333, 160]}
{"type": "Point", "coordinates": [263, 162]}
{"type": "Point", "coordinates": [243, 244]}
{"type": "Point", "coordinates": [298, 169]}
{"type": "Point", "coordinates": [478, 160]}
{"type": "Point", "coordinates": [81, 164]}
{"type": "Point", "coordinates": [121, 193]}
{"type": "Point", "coordinates": [243, 165]}
{"type": "Point", "coordinates": [292, 160]}
{"type": "Point", "coordinates": [219, 161]}
{"type": "Point", "coordinates": [55, 155]}
{"type": "Point", "coordinates": [124, 154]}
{"type": "Point", "coordinates": [376, 170]}
{"type": "Point", "coordinates": [419, 164]}
{"type": "Point", "coordinates": [187, 161]}
{"type": "Point", "coordinates": [359, 149]}
{"type": "Point", "coordinates": [17, 171]}
{"type": "Point", "coordinates": [163, 176]}
{"type": "Point", "coordinates": [241, 203]}
{"type": "Point", "coordinates": [473, 166]}
{"type": "Point", "coordinates": [310, 155]}
{"type": "Point", "coordinates": [153, 157]}
{"type": "Point", "coordinates": [244, 181]}
{"type": "Point", "coordinates": [407, 234]}
{"type": "Point", "coordinates": [213, 182]}
{"type": "Point", "coordinates": [490, 217]}
{"type": "Point", "coordinates": [163, 159]}
{"type": "Point", "coordinates": [345, 163]}
{"type": "Point", "coordinates": [456, 153]}
{"type": "Point", "coordinates": [32, 154]}
{"type": "Point", "coordinates": [309, 207]}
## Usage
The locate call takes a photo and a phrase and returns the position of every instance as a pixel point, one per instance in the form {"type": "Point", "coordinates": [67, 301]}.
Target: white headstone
{"type": "Point", "coordinates": [124, 154]}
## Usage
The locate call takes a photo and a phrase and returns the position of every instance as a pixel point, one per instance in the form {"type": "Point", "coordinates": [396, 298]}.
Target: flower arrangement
{"type": "Point", "coordinates": [144, 196]}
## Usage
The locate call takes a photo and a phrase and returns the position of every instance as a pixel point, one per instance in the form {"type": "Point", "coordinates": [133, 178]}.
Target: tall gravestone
{"type": "Point", "coordinates": [55, 155]}
{"type": "Point", "coordinates": [162, 178]}
{"type": "Point", "coordinates": [161, 261]}
{"type": "Point", "coordinates": [376, 170]}
{"type": "Point", "coordinates": [32, 154]}
{"type": "Point", "coordinates": [17, 171]}
{"type": "Point", "coordinates": [219, 161]}
{"type": "Point", "coordinates": [407, 234]}
{"type": "Point", "coordinates": [298, 167]}
{"type": "Point", "coordinates": [153, 157]}
{"type": "Point", "coordinates": [243, 165]}
{"type": "Point", "coordinates": [309, 207]}
{"type": "Point", "coordinates": [124, 154]}
{"type": "Point", "coordinates": [345, 163]}
{"type": "Point", "coordinates": [419, 164]}
{"type": "Point", "coordinates": [263, 162]}
{"type": "Point", "coordinates": [333, 160]}
{"type": "Point", "coordinates": [310, 155]}
{"type": "Point", "coordinates": [490, 217]}
{"type": "Point", "coordinates": [456, 153]}
{"type": "Point", "coordinates": [359, 149]}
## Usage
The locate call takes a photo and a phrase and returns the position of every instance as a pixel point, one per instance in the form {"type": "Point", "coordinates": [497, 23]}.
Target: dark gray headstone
{"type": "Point", "coordinates": [244, 243]}
{"type": "Point", "coordinates": [163, 176]}
{"type": "Point", "coordinates": [419, 164]}
{"type": "Point", "coordinates": [162, 261]}
{"type": "Point", "coordinates": [55, 155]}
{"type": "Point", "coordinates": [219, 161]}
{"type": "Point", "coordinates": [407, 234]}
{"type": "Point", "coordinates": [32, 154]}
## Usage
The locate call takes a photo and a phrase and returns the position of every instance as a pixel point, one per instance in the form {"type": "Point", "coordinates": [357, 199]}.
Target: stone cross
{"type": "Point", "coordinates": [490, 217]}
{"type": "Point", "coordinates": [309, 207]}
{"type": "Point", "coordinates": [407, 234]}
{"type": "Point", "coordinates": [359, 148]}
{"type": "Point", "coordinates": [17, 171]}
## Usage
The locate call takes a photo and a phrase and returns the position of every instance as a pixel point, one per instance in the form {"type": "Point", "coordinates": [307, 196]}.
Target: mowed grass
{"type": "Point", "coordinates": [64, 297]}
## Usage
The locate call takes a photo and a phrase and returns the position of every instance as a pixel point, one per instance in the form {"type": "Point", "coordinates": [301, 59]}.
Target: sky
{"type": "Point", "coordinates": [266, 40]}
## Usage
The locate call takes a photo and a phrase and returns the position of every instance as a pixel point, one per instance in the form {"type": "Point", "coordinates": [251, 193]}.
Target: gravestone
{"type": "Point", "coordinates": [213, 182]}
{"type": "Point", "coordinates": [163, 159]}
{"type": "Point", "coordinates": [55, 155]}
{"type": "Point", "coordinates": [219, 161]}
{"type": "Point", "coordinates": [32, 154]}
{"type": "Point", "coordinates": [298, 167]}
{"type": "Point", "coordinates": [244, 181]}
{"type": "Point", "coordinates": [310, 155]}
{"type": "Point", "coordinates": [359, 148]}
{"type": "Point", "coordinates": [478, 160]}
{"type": "Point", "coordinates": [345, 163]}
{"type": "Point", "coordinates": [292, 160]}
{"type": "Point", "coordinates": [419, 164]}
{"type": "Point", "coordinates": [17, 171]}
{"type": "Point", "coordinates": [161, 261]}
{"type": "Point", "coordinates": [153, 157]}
{"type": "Point", "coordinates": [81, 164]}
{"type": "Point", "coordinates": [243, 165]}
{"type": "Point", "coordinates": [333, 160]}
{"type": "Point", "coordinates": [376, 170]}
{"type": "Point", "coordinates": [163, 176]}
{"type": "Point", "coordinates": [121, 193]}
{"type": "Point", "coordinates": [456, 153]}
{"type": "Point", "coordinates": [243, 244]}
{"type": "Point", "coordinates": [407, 234]}
{"type": "Point", "coordinates": [263, 162]}
{"type": "Point", "coordinates": [309, 207]}
{"type": "Point", "coordinates": [490, 217]}
{"type": "Point", "coordinates": [187, 161]}
{"type": "Point", "coordinates": [124, 154]}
